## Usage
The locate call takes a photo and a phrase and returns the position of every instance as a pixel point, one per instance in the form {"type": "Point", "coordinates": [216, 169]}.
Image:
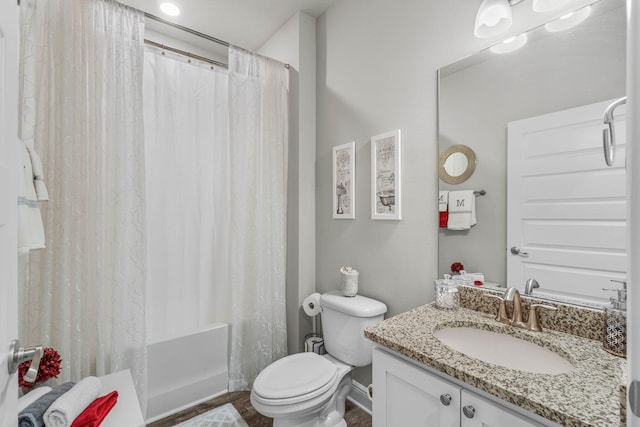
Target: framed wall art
{"type": "Point", "coordinates": [386, 174]}
{"type": "Point", "coordinates": [344, 181]}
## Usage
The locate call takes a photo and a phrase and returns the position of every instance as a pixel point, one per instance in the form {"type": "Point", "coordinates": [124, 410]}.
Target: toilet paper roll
{"type": "Point", "coordinates": [311, 305]}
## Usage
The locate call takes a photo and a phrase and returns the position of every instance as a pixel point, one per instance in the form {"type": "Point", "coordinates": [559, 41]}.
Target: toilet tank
{"type": "Point", "coordinates": [343, 323]}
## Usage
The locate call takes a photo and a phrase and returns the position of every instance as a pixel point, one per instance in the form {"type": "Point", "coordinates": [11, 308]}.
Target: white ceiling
{"type": "Point", "coordinates": [244, 23]}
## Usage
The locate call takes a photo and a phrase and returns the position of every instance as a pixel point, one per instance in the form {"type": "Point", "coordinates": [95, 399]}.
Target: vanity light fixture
{"type": "Point", "coordinates": [170, 8]}
{"type": "Point", "coordinates": [569, 20]}
{"type": "Point", "coordinates": [509, 45]}
{"type": "Point", "coordinates": [493, 18]}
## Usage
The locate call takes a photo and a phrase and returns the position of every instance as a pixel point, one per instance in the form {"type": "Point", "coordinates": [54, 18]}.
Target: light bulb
{"type": "Point", "coordinates": [493, 18]}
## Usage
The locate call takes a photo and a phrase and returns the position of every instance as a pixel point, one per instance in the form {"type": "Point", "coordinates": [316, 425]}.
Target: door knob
{"type": "Point", "coordinates": [18, 354]}
{"type": "Point", "coordinates": [516, 251]}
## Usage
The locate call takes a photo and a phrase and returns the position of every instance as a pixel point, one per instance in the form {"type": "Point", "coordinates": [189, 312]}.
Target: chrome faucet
{"type": "Point", "coordinates": [530, 285]}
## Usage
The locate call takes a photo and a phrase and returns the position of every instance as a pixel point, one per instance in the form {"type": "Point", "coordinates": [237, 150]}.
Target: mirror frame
{"type": "Point", "coordinates": [471, 164]}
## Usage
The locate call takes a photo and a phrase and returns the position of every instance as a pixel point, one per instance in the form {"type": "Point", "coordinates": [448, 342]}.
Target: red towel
{"type": "Point", "coordinates": [444, 219]}
{"type": "Point", "coordinates": [97, 411]}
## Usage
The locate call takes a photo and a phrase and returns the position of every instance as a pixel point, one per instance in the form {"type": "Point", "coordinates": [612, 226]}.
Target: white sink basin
{"type": "Point", "coordinates": [503, 350]}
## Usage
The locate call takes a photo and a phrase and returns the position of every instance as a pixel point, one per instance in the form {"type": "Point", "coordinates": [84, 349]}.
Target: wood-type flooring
{"type": "Point", "coordinates": [354, 416]}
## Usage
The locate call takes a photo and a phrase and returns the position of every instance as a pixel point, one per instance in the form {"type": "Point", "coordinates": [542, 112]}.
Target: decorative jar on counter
{"type": "Point", "coordinates": [446, 294]}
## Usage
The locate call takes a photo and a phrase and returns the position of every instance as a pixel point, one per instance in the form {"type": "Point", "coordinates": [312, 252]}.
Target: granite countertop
{"type": "Point", "coordinates": [589, 395]}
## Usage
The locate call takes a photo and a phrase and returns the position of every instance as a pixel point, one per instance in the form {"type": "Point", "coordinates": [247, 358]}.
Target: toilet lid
{"type": "Point", "coordinates": [295, 375]}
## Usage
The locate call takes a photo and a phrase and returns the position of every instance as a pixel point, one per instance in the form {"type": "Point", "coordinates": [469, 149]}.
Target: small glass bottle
{"type": "Point", "coordinates": [615, 323]}
{"type": "Point", "coordinates": [447, 294]}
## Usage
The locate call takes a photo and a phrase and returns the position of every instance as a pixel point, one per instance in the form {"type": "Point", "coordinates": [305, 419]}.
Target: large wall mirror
{"type": "Point", "coordinates": [480, 95]}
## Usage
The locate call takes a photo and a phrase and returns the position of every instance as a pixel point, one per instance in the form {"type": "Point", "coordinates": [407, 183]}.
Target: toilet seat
{"type": "Point", "coordinates": [295, 378]}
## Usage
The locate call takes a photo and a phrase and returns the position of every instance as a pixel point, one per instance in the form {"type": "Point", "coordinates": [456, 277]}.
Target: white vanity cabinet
{"type": "Point", "coordinates": [405, 394]}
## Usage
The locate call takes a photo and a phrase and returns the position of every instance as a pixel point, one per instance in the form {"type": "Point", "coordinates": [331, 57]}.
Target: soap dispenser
{"type": "Point", "coordinates": [615, 322]}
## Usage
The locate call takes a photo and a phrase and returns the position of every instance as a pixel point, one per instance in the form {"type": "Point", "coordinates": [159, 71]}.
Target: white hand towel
{"type": "Point", "coordinates": [30, 229]}
{"type": "Point", "coordinates": [462, 210]}
{"type": "Point", "coordinates": [38, 179]}
{"type": "Point", "coordinates": [67, 407]}
{"type": "Point", "coordinates": [443, 201]}
{"type": "Point", "coordinates": [31, 397]}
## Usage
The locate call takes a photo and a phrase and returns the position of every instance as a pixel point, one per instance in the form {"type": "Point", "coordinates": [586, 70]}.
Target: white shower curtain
{"type": "Point", "coordinates": [81, 104]}
{"type": "Point", "coordinates": [257, 207]}
{"type": "Point", "coordinates": [216, 159]}
{"type": "Point", "coordinates": [186, 129]}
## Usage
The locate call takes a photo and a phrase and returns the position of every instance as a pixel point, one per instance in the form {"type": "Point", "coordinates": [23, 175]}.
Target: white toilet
{"type": "Point", "coordinates": [308, 390]}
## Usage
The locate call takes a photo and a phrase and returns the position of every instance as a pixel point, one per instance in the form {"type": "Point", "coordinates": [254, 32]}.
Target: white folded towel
{"type": "Point", "coordinates": [462, 210]}
{"type": "Point", "coordinates": [443, 201]}
{"type": "Point", "coordinates": [65, 409]}
{"type": "Point", "coordinates": [38, 179]}
{"type": "Point", "coordinates": [32, 396]}
{"type": "Point", "coordinates": [30, 229]}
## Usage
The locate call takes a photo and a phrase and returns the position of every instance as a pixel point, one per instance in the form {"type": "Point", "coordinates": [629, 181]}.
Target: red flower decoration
{"type": "Point", "coordinates": [456, 267]}
{"type": "Point", "coordinates": [49, 368]}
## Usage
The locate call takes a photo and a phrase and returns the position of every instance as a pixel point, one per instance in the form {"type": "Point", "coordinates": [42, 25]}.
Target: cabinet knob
{"type": "Point", "coordinates": [445, 399]}
{"type": "Point", "coordinates": [469, 411]}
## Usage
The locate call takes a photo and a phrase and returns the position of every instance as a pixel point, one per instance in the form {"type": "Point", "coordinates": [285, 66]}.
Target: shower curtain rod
{"type": "Point", "coordinates": [190, 31]}
{"type": "Point", "coordinates": [186, 29]}
{"type": "Point", "coordinates": [185, 53]}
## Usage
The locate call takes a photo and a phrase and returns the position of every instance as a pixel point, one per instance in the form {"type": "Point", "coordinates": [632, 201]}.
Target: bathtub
{"type": "Point", "coordinates": [186, 370]}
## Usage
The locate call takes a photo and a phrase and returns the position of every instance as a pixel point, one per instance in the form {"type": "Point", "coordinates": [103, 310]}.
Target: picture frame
{"type": "Point", "coordinates": [386, 176]}
{"type": "Point", "coordinates": [344, 181]}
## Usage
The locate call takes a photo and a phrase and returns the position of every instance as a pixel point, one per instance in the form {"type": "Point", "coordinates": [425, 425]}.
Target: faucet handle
{"type": "Point", "coordinates": [532, 323]}
{"type": "Point", "coordinates": [502, 310]}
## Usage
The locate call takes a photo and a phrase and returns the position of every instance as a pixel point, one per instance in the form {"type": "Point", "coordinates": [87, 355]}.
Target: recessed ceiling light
{"type": "Point", "coordinates": [169, 8]}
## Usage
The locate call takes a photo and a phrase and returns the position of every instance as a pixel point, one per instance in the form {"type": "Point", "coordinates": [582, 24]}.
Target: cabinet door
{"type": "Point", "coordinates": [479, 412]}
{"type": "Point", "coordinates": [404, 395]}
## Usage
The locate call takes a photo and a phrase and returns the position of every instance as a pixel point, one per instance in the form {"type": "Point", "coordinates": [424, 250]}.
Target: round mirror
{"type": "Point", "coordinates": [456, 164]}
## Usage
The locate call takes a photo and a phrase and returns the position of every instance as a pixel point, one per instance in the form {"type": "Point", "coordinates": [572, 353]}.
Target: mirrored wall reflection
{"type": "Point", "coordinates": [479, 95]}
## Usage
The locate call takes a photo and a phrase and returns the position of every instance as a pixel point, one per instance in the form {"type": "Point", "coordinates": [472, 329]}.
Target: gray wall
{"type": "Point", "coordinates": [556, 72]}
{"type": "Point", "coordinates": [376, 71]}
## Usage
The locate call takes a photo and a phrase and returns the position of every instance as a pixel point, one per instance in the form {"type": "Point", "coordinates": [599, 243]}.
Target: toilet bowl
{"type": "Point", "coordinates": [304, 389]}
{"type": "Point", "coordinates": [309, 390]}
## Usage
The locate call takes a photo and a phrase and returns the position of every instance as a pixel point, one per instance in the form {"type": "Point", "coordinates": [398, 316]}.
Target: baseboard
{"type": "Point", "coordinates": [359, 396]}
